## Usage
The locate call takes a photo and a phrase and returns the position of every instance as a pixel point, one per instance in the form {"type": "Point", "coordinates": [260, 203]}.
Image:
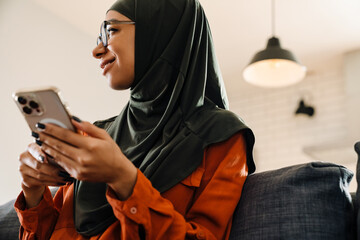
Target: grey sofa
{"type": "Point", "coordinates": [306, 201]}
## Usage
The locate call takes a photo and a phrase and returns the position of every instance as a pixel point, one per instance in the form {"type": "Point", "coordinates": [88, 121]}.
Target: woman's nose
{"type": "Point", "coordinates": [99, 50]}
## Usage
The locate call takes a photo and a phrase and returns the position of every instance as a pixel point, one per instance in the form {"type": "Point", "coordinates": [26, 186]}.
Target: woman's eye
{"type": "Point", "coordinates": [111, 31]}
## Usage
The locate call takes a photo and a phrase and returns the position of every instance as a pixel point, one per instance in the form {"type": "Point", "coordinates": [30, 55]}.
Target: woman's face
{"type": "Point", "coordinates": [118, 59]}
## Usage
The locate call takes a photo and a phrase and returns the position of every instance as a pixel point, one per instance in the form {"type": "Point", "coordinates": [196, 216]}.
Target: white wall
{"type": "Point", "coordinates": [39, 49]}
{"type": "Point", "coordinates": [282, 137]}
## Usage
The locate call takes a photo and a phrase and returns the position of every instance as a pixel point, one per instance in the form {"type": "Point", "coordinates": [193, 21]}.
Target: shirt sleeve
{"type": "Point", "coordinates": [37, 222]}
{"type": "Point", "coordinates": [210, 213]}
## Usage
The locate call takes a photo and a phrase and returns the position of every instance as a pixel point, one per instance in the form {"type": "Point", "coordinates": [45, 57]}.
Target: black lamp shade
{"type": "Point", "coordinates": [274, 67]}
{"type": "Point", "coordinates": [273, 50]}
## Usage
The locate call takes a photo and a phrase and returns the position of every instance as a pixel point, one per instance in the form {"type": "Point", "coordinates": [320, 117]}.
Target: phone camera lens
{"type": "Point", "coordinates": [22, 100]}
{"type": "Point", "coordinates": [33, 104]}
{"type": "Point", "coordinates": [27, 110]}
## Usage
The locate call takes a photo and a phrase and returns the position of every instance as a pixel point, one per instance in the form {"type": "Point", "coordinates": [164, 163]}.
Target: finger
{"type": "Point", "coordinates": [62, 134]}
{"type": "Point", "coordinates": [62, 147]}
{"type": "Point", "coordinates": [90, 129]}
{"type": "Point", "coordinates": [32, 182]}
{"type": "Point", "coordinates": [36, 152]}
{"type": "Point", "coordinates": [60, 159]}
{"type": "Point", "coordinates": [30, 175]}
{"type": "Point", "coordinates": [26, 159]}
{"type": "Point", "coordinates": [29, 160]}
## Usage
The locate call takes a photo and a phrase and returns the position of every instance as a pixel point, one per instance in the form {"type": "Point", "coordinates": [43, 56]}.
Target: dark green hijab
{"type": "Point", "coordinates": [176, 108]}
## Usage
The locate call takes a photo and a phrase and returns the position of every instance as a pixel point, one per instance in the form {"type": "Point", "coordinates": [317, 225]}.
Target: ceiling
{"type": "Point", "coordinates": [318, 32]}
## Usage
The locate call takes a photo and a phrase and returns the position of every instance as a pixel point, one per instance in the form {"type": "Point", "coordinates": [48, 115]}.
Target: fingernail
{"type": "Point", "coordinates": [40, 125]}
{"type": "Point", "coordinates": [41, 158]}
{"type": "Point", "coordinates": [38, 142]}
{"type": "Point", "coordinates": [68, 179]}
{"type": "Point", "coordinates": [49, 156]}
{"type": "Point", "coordinates": [63, 174]}
{"type": "Point", "coordinates": [76, 119]}
{"type": "Point", "coordinates": [34, 134]}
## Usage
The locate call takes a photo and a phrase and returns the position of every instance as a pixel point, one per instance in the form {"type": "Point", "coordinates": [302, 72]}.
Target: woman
{"type": "Point", "coordinates": [172, 164]}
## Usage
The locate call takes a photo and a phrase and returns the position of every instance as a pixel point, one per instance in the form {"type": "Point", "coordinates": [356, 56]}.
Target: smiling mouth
{"type": "Point", "coordinates": [107, 65]}
{"type": "Point", "coordinates": [103, 65]}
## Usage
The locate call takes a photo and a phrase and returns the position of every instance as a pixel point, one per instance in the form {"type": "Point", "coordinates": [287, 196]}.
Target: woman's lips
{"type": "Point", "coordinates": [106, 65]}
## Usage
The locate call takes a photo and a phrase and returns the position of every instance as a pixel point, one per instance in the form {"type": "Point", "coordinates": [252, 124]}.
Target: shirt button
{"type": "Point", "coordinates": [200, 235]}
{"type": "Point", "coordinates": [133, 210]}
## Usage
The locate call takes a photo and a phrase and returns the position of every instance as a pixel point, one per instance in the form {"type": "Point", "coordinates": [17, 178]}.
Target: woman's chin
{"type": "Point", "coordinates": [119, 84]}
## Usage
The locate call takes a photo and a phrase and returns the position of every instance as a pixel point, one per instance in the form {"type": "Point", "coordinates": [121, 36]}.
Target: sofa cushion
{"type": "Point", "coordinates": [306, 201]}
{"type": "Point", "coordinates": [9, 223]}
{"type": "Point", "coordinates": [357, 149]}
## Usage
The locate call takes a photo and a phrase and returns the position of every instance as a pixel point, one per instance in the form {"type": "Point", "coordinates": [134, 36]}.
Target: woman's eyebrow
{"type": "Point", "coordinates": [113, 20]}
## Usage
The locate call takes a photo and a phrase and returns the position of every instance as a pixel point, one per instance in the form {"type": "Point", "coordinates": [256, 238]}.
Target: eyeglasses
{"type": "Point", "coordinates": [104, 35]}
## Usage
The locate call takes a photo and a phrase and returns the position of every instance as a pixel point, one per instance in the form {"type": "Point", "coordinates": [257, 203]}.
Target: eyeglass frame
{"type": "Point", "coordinates": [103, 27]}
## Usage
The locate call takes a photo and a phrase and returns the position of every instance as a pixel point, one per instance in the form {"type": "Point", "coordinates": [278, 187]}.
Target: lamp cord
{"type": "Point", "coordinates": [273, 17]}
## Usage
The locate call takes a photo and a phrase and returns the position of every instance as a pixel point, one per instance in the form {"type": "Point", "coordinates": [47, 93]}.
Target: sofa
{"type": "Point", "coordinates": [304, 201]}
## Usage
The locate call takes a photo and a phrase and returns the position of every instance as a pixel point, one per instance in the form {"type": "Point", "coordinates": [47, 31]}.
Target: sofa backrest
{"type": "Point", "coordinates": [357, 149]}
{"type": "Point", "coordinates": [9, 223]}
{"type": "Point", "coordinates": [306, 201]}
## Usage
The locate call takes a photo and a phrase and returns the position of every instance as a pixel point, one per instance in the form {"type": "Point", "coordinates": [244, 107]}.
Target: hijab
{"type": "Point", "coordinates": [177, 107]}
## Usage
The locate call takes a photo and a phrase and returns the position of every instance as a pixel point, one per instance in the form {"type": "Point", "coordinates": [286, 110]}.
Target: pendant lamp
{"type": "Point", "coordinates": [274, 66]}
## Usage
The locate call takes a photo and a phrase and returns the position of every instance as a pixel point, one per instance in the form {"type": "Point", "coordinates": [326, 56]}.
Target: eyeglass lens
{"type": "Point", "coordinates": [104, 34]}
{"type": "Point", "coordinates": [103, 37]}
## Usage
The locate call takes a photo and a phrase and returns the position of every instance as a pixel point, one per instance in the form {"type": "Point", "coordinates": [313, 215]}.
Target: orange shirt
{"type": "Point", "coordinates": [199, 207]}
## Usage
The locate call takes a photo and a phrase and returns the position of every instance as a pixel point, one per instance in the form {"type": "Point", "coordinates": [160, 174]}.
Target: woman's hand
{"type": "Point", "coordinates": [37, 173]}
{"type": "Point", "coordinates": [93, 157]}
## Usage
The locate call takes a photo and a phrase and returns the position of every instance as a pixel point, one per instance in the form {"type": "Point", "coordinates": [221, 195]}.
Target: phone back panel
{"type": "Point", "coordinates": [44, 106]}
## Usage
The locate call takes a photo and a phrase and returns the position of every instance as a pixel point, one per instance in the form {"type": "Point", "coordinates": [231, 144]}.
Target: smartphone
{"type": "Point", "coordinates": [43, 105]}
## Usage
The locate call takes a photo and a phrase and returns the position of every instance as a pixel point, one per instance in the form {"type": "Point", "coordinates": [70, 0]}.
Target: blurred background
{"type": "Point", "coordinates": [47, 42]}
